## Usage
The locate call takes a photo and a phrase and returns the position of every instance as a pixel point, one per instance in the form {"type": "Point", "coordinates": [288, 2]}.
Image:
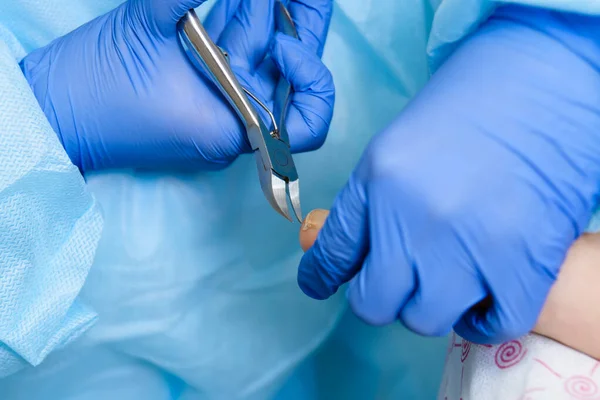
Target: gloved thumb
{"type": "Point", "coordinates": [166, 13]}
{"type": "Point", "coordinates": [337, 254]}
{"type": "Point", "coordinates": [504, 317]}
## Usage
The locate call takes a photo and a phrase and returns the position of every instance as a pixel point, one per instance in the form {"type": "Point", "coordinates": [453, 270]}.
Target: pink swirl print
{"type": "Point", "coordinates": [465, 347]}
{"type": "Point", "coordinates": [581, 387]}
{"type": "Point", "coordinates": [509, 354]}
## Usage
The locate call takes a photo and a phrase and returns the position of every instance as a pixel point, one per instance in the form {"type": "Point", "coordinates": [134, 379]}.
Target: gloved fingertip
{"type": "Point", "coordinates": [426, 325]}
{"type": "Point", "coordinates": [312, 19]}
{"type": "Point", "coordinates": [480, 327]}
{"type": "Point", "coordinates": [183, 6]}
{"type": "Point", "coordinates": [282, 38]}
{"type": "Point", "coordinates": [275, 50]}
{"type": "Point", "coordinates": [278, 45]}
{"type": "Point", "coordinates": [495, 321]}
{"type": "Point", "coordinates": [311, 281]}
{"type": "Point", "coordinates": [332, 259]}
{"type": "Point", "coordinates": [302, 68]}
{"type": "Point", "coordinates": [167, 13]}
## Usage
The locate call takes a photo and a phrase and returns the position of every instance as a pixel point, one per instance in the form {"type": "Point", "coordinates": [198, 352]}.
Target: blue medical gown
{"type": "Point", "coordinates": [194, 277]}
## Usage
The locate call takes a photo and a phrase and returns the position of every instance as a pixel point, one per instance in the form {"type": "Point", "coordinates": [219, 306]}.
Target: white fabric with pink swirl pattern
{"type": "Point", "coordinates": [531, 368]}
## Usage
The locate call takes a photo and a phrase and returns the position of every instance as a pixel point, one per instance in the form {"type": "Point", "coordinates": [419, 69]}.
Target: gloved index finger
{"type": "Point", "coordinates": [312, 18]}
{"type": "Point", "coordinates": [166, 13]}
{"type": "Point", "coordinates": [339, 250]}
{"type": "Point", "coordinates": [219, 16]}
{"type": "Point", "coordinates": [248, 33]}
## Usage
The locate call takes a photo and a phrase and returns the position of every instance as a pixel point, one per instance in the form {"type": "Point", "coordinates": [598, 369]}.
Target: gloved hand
{"type": "Point", "coordinates": [121, 93]}
{"type": "Point", "coordinates": [479, 187]}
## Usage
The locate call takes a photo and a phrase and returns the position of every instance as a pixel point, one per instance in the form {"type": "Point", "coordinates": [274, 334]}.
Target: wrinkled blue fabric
{"type": "Point", "coordinates": [195, 277]}
{"type": "Point", "coordinates": [49, 228]}
{"type": "Point", "coordinates": [456, 19]}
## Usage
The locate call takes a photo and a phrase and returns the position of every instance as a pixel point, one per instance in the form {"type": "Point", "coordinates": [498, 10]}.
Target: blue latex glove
{"type": "Point", "coordinates": [121, 93]}
{"type": "Point", "coordinates": [478, 188]}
